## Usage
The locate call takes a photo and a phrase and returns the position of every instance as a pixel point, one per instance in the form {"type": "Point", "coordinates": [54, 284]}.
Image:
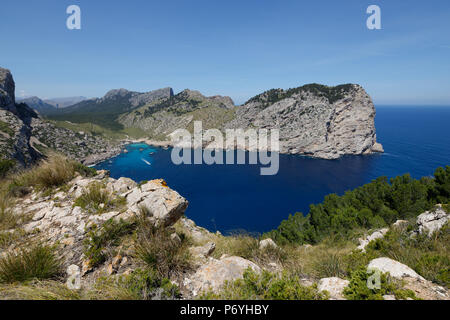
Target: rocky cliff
{"type": "Point", "coordinates": [26, 137]}
{"type": "Point", "coordinates": [314, 120]}
{"type": "Point", "coordinates": [15, 129]}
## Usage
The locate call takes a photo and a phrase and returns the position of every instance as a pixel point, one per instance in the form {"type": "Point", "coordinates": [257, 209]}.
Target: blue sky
{"type": "Point", "coordinates": [235, 48]}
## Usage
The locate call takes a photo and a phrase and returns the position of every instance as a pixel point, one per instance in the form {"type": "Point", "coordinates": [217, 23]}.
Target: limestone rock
{"type": "Point", "coordinates": [212, 275]}
{"type": "Point", "coordinates": [334, 286]}
{"type": "Point", "coordinates": [432, 221]}
{"type": "Point", "coordinates": [164, 204]}
{"type": "Point", "coordinates": [425, 289]}
{"type": "Point", "coordinates": [267, 243]}
{"type": "Point", "coordinates": [394, 268]}
{"type": "Point", "coordinates": [203, 251]}
{"type": "Point", "coordinates": [401, 224]}
{"type": "Point", "coordinates": [376, 235]}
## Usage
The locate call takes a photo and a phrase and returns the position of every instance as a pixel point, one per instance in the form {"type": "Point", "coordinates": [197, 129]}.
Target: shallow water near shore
{"type": "Point", "coordinates": [236, 197]}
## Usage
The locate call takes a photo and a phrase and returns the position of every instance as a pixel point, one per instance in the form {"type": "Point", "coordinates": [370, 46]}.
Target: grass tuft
{"type": "Point", "coordinates": [168, 256]}
{"type": "Point", "coordinates": [96, 200]}
{"type": "Point", "coordinates": [37, 262]}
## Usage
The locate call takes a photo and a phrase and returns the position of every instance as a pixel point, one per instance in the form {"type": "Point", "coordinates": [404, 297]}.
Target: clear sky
{"type": "Point", "coordinates": [236, 48]}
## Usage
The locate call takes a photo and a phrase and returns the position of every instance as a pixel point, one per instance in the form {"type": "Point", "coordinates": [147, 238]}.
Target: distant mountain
{"type": "Point", "coordinates": [39, 105]}
{"type": "Point", "coordinates": [64, 102]}
{"type": "Point", "coordinates": [104, 111]}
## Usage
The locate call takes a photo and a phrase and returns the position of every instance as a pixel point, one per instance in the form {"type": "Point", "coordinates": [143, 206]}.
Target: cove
{"type": "Point", "coordinates": [231, 198]}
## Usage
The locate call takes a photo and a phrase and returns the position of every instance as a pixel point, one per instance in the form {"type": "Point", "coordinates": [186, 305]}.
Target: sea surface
{"type": "Point", "coordinates": [235, 198]}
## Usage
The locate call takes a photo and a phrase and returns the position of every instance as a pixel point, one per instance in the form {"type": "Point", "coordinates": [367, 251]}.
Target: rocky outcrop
{"type": "Point", "coordinates": [79, 145]}
{"type": "Point", "coordinates": [334, 286]}
{"type": "Point", "coordinates": [314, 120]}
{"type": "Point", "coordinates": [432, 221]}
{"type": "Point", "coordinates": [15, 129]}
{"type": "Point", "coordinates": [213, 274]}
{"type": "Point", "coordinates": [56, 219]}
{"type": "Point", "coordinates": [422, 288]}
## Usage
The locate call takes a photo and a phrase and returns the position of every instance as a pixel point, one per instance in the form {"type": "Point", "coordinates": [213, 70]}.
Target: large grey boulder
{"type": "Point", "coordinates": [213, 274]}
{"type": "Point", "coordinates": [432, 221]}
{"type": "Point", "coordinates": [334, 286]}
{"type": "Point", "coordinates": [165, 205]}
{"type": "Point", "coordinates": [394, 268]}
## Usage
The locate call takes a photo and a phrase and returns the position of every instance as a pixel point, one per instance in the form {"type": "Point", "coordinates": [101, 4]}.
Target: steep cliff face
{"type": "Point", "coordinates": [315, 120]}
{"type": "Point", "coordinates": [15, 129]}
{"type": "Point", "coordinates": [25, 137]}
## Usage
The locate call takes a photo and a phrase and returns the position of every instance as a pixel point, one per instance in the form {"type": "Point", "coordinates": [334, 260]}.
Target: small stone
{"type": "Point", "coordinates": [267, 243]}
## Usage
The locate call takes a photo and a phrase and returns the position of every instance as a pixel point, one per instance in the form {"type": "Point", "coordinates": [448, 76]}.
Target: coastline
{"type": "Point", "coordinates": [94, 159]}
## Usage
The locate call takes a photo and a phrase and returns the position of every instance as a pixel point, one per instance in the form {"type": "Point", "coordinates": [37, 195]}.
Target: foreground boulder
{"type": "Point", "coordinates": [213, 274]}
{"type": "Point", "coordinates": [334, 286]}
{"type": "Point", "coordinates": [394, 268]}
{"type": "Point", "coordinates": [432, 221]}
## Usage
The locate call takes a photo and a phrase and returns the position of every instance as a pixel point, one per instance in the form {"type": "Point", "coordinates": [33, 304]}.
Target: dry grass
{"type": "Point", "coordinates": [96, 200]}
{"type": "Point", "coordinates": [50, 173]}
{"type": "Point", "coordinates": [155, 246]}
{"type": "Point", "coordinates": [38, 290]}
{"type": "Point", "coordinates": [8, 220]}
{"type": "Point", "coordinates": [37, 261]}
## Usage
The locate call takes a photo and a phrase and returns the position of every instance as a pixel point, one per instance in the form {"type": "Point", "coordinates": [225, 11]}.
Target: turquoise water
{"type": "Point", "coordinates": [237, 197]}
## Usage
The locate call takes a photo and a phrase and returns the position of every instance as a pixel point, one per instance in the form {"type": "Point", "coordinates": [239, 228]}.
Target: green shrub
{"type": "Point", "coordinates": [159, 250]}
{"type": "Point", "coordinates": [100, 239]}
{"type": "Point", "coordinates": [6, 166]}
{"type": "Point", "coordinates": [37, 262]}
{"type": "Point", "coordinates": [266, 286]}
{"type": "Point", "coordinates": [373, 205]}
{"type": "Point", "coordinates": [84, 170]}
{"type": "Point", "coordinates": [96, 200]}
{"type": "Point", "coordinates": [358, 288]}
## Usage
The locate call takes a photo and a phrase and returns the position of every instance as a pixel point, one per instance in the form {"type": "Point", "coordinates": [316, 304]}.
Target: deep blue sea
{"type": "Point", "coordinates": [236, 197]}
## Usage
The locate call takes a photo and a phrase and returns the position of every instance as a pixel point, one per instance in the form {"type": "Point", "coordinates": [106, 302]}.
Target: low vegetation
{"type": "Point", "coordinates": [96, 200]}
{"type": "Point", "coordinates": [51, 173]}
{"type": "Point", "coordinates": [359, 290]}
{"type": "Point", "coordinates": [332, 94]}
{"type": "Point", "coordinates": [5, 167]}
{"type": "Point", "coordinates": [36, 262]}
{"type": "Point", "coordinates": [162, 250]}
{"type": "Point", "coordinates": [101, 241]}
{"type": "Point", "coordinates": [142, 284]}
{"type": "Point", "coordinates": [266, 286]}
